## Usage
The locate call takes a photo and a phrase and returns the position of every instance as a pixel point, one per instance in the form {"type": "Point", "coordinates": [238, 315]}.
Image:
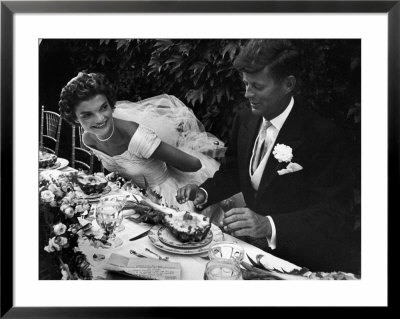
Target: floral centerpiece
{"type": "Point", "coordinates": [59, 230]}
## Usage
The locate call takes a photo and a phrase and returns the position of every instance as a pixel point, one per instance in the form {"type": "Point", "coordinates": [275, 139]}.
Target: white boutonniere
{"type": "Point", "coordinates": [283, 154]}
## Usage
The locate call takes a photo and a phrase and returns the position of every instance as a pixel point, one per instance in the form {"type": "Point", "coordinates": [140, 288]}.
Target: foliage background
{"type": "Point", "coordinates": [200, 73]}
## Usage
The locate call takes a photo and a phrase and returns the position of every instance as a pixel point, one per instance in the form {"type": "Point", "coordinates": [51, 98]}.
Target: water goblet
{"type": "Point", "coordinates": [109, 217]}
{"type": "Point", "coordinates": [120, 199]}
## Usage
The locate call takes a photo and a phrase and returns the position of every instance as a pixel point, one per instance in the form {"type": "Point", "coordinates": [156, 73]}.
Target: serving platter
{"type": "Point", "coordinates": [167, 238]}
{"type": "Point", "coordinates": [153, 235]}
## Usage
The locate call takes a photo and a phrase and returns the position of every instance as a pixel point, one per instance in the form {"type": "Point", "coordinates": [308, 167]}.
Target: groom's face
{"type": "Point", "coordinates": [268, 97]}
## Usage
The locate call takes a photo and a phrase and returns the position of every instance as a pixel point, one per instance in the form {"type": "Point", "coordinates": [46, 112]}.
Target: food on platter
{"type": "Point", "coordinates": [47, 159]}
{"type": "Point", "coordinates": [185, 226]}
{"type": "Point", "coordinates": [115, 178]}
{"type": "Point", "coordinates": [91, 184]}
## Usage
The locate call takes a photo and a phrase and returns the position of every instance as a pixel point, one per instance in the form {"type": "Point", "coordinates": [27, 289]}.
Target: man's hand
{"type": "Point", "coordinates": [244, 222]}
{"type": "Point", "coordinates": [190, 192]}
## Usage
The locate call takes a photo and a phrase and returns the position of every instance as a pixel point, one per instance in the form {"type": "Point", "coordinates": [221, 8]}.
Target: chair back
{"type": "Point", "coordinates": [50, 130]}
{"type": "Point", "coordinates": [82, 157]}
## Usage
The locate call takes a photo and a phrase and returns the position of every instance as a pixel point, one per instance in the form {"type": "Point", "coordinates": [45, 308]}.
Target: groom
{"type": "Point", "coordinates": [291, 165]}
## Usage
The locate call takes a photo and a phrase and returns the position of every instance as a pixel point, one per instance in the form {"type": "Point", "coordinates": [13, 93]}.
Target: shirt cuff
{"type": "Point", "coordinates": [200, 206]}
{"type": "Point", "coordinates": [272, 240]}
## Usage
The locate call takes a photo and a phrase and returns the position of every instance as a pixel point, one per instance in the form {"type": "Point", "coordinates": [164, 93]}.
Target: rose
{"type": "Point", "coordinates": [69, 212]}
{"type": "Point", "coordinates": [283, 153]}
{"type": "Point", "coordinates": [52, 246]}
{"type": "Point", "coordinates": [59, 229]}
{"type": "Point", "coordinates": [55, 190]}
{"type": "Point", "coordinates": [53, 203]}
{"type": "Point", "coordinates": [47, 196]}
{"type": "Point", "coordinates": [61, 241]}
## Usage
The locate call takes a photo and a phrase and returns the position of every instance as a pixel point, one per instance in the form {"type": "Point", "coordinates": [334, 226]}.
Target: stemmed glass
{"type": "Point", "coordinates": [120, 199]}
{"type": "Point", "coordinates": [109, 217]}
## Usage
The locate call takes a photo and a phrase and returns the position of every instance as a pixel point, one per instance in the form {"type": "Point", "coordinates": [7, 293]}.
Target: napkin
{"type": "Point", "coordinates": [274, 263]}
{"type": "Point", "coordinates": [144, 268]}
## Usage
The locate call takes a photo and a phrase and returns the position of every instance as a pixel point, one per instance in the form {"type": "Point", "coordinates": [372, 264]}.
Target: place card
{"type": "Point", "coordinates": [144, 268]}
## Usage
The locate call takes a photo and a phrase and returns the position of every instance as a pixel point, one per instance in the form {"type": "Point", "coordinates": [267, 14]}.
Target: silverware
{"type": "Point", "coordinates": [140, 236]}
{"type": "Point", "coordinates": [159, 257]}
{"type": "Point", "coordinates": [137, 254]}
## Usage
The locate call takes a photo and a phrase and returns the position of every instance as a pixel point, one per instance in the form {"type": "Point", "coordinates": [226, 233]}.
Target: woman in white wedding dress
{"type": "Point", "coordinates": [157, 141]}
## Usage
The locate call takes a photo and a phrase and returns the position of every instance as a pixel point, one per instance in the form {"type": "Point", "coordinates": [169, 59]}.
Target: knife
{"type": "Point", "coordinates": [140, 236]}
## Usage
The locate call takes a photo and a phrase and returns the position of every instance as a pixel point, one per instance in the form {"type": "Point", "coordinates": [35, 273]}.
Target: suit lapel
{"type": "Point", "coordinates": [290, 135]}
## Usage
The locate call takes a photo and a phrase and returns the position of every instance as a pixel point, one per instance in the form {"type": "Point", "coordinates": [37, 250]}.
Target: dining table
{"type": "Point", "coordinates": [136, 241]}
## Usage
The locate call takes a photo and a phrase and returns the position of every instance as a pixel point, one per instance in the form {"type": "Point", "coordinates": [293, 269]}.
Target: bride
{"type": "Point", "coordinates": [157, 141]}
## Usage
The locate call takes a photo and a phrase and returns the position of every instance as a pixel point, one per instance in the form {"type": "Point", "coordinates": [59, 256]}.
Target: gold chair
{"type": "Point", "coordinates": [52, 121]}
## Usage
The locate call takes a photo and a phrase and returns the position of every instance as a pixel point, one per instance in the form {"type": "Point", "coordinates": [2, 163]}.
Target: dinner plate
{"type": "Point", "coordinates": [59, 164]}
{"type": "Point", "coordinates": [155, 240]}
{"type": "Point", "coordinates": [166, 237]}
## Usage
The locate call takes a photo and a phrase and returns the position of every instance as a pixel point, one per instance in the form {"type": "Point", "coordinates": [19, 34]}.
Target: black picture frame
{"type": "Point", "coordinates": [9, 8]}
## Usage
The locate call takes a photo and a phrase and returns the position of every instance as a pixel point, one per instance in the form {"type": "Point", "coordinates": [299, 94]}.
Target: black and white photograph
{"type": "Point", "coordinates": [226, 154]}
{"type": "Point", "coordinates": [192, 159]}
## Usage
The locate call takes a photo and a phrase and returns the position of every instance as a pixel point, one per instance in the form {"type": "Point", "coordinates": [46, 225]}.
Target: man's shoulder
{"type": "Point", "coordinates": [321, 126]}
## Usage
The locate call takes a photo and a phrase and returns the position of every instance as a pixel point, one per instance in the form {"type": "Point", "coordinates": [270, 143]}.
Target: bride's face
{"type": "Point", "coordinates": [95, 115]}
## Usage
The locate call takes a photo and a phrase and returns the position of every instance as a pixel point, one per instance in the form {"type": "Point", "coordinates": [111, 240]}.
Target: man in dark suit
{"type": "Point", "coordinates": [291, 165]}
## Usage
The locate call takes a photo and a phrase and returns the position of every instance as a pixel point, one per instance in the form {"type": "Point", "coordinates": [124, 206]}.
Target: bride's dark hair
{"type": "Point", "coordinates": [81, 88]}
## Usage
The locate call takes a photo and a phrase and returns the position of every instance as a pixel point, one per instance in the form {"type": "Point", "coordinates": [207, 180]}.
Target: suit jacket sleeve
{"type": "Point", "coordinates": [225, 181]}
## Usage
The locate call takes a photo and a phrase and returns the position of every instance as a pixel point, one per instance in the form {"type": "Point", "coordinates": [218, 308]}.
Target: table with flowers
{"type": "Point", "coordinates": [71, 246]}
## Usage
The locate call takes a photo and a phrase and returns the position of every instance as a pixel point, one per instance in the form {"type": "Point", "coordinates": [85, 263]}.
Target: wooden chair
{"type": "Point", "coordinates": [52, 121]}
{"type": "Point", "coordinates": [82, 157]}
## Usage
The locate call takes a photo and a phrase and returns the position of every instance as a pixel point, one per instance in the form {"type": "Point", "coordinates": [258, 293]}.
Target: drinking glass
{"type": "Point", "coordinates": [230, 250]}
{"type": "Point", "coordinates": [222, 269]}
{"type": "Point", "coordinates": [120, 199]}
{"type": "Point", "coordinates": [225, 258]}
{"type": "Point", "coordinates": [109, 217]}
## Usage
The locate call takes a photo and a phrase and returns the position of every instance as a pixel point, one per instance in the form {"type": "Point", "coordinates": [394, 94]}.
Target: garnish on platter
{"type": "Point", "coordinates": [256, 270]}
{"type": "Point", "coordinates": [185, 226]}
{"type": "Point", "coordinates": [47, 160]}
{"type": "Point", "coordinates": [91, 186]}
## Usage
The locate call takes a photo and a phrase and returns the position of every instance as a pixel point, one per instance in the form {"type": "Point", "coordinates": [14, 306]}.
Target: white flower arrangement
{"type": "Point", "coordinates": [284, 154]}
{"type": "Point", "coordinates": [60, 209]}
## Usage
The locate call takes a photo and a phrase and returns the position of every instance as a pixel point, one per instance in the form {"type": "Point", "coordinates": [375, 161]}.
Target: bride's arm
{"type": "Point", "coordinates": [176, 158]}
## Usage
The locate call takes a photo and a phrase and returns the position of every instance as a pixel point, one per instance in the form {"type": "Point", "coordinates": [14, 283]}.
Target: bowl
{"type": "Point", "coordinates": [91, 184]}
{"type": "Point", "coordinates": [47, 159]}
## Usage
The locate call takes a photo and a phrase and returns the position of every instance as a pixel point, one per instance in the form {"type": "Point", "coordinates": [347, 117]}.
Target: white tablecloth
{"type": "Point", "coordinates": [192, 266]}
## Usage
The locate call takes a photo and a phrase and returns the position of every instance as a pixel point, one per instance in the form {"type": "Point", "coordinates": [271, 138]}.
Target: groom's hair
{"type": "Point", "coordinates": [280, 55]}
{"type": "Point", "coordinates": [82, 88]}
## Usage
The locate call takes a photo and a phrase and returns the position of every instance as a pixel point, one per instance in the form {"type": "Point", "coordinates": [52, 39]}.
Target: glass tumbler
{"type": "Point", "coordinates": [222, 269]}
{"type": "Point", "coordinates": [225, 258]}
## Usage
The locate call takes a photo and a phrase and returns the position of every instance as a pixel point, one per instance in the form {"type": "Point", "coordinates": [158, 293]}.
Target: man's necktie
{"type": "Point", "coordinates": [262, 144]}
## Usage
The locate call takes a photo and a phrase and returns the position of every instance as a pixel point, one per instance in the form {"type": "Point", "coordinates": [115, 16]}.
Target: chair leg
{"type": "Point", "coordinates": [73, 148]}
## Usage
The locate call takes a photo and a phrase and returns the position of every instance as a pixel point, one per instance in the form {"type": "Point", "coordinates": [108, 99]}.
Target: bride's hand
{"type": "Point", "coordinates": [190, 192]}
